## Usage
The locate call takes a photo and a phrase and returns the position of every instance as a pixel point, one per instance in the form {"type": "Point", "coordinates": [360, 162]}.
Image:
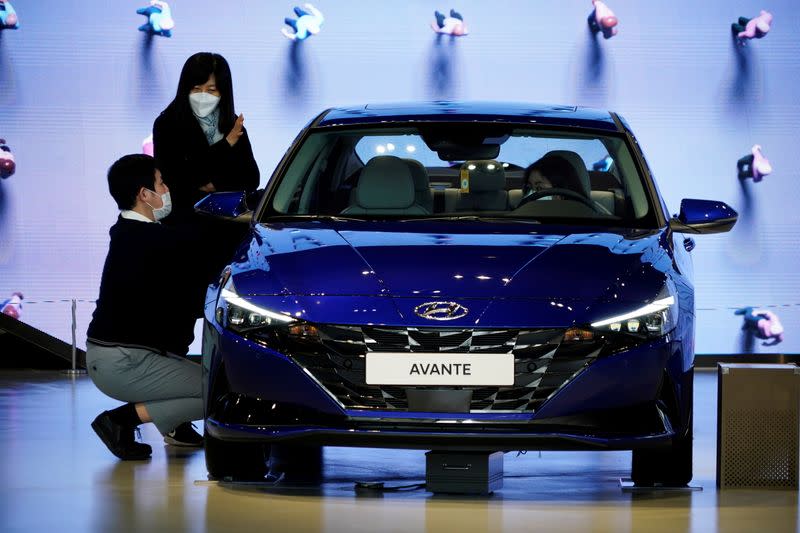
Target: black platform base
{"type": "Point", "coordinates": [463, 472]}
{"type": "Point", "coordinates": [627, 485]}
{"type": "Point", "coordinates": [23, 346]}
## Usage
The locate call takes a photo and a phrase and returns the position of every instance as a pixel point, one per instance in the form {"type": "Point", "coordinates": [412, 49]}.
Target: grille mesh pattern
{"type": "Point", "coordinates": [542, 364]}
{"type": "Point", "coordinates": [758, 438]}
{"type": "Point", "coordinates": [761, 448]}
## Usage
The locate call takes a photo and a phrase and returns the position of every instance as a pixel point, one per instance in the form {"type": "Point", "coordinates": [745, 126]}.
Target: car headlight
{"type": "Point", "coordinates": [652, 320]}
{"type": "Point", "coordinates": [237, 314]}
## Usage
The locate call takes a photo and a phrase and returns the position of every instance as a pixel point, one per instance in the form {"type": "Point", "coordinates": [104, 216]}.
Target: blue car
{"type": "Point", "coordinates": [457, 276]}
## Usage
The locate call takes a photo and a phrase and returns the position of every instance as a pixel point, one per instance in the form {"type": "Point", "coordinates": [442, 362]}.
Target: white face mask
{"type": "Point", "coordinates": [203, 104]}
{"type": "Point", "coordinates": [160, 213]}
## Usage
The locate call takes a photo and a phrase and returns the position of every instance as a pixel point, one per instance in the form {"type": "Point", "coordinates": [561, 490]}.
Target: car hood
{"type": "Point", "coordinates": [415, 262]}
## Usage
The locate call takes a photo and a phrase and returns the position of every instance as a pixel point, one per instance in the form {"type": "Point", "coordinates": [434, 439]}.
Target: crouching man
{"type": "Point", "coordinates": [151, 295]}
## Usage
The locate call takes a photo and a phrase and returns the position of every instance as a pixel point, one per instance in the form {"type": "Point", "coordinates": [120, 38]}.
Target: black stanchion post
{"type": "Point", "coordinates": [74, 371]}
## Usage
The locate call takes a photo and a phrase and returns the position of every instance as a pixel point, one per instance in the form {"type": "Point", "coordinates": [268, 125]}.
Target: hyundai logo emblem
{"type": "Point", "coordinates": [441, 310]}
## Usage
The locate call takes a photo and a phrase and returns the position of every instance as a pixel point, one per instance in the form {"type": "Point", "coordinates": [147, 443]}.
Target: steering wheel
{"type": "Point", "coordinates": [558, 191]}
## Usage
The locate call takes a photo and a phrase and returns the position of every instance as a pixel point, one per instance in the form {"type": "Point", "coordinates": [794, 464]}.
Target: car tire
{"type": "Point", "coordinates": [234, 460]}
{"type": "Point", "coordinates": [670, 467]}
{"type": "Point", "coordinates": [296, 463]}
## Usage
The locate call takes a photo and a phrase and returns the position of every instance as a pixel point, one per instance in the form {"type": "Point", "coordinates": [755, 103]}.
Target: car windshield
{"type": "Point", "coordinates": [463, 171]}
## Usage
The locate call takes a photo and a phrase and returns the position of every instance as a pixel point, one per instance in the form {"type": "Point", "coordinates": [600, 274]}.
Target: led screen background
{"type": "Point", "coordinates": [80, 86]}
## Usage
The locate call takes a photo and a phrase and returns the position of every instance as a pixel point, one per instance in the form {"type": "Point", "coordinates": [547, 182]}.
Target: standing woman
{"type": "Point", "coordinates": [201, 146]}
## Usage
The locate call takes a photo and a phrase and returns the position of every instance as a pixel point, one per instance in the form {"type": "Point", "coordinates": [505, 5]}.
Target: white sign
{"type": "Point", "coordinates": [404, 368]}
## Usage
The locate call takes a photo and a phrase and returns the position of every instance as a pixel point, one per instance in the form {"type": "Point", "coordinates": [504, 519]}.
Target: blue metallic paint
{"type": "Point", "coordinates": [508, 275]}
{"type": "Point", "coordinates": [309, 264]}
{"type": "Point", "coordinates": [601, 273]}
{"type": "Point", "coordinates": [599, 384]}
{"type": "Point", "coordinates": [521, 113]}
{"type": "Point", "coordinates": [432, 439]}
{"type": "Point", "coordinates": [224, 204]}
{"type": "Point", "coordinates": [260, 372]}
{"type": "Point", "coordinates": [704, 211]}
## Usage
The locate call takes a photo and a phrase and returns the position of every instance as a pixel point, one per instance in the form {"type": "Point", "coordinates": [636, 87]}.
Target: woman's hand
{"type": "Point", "coordinates": [208, 187]}
{"type": "Point", "coordinates": [237, 131]}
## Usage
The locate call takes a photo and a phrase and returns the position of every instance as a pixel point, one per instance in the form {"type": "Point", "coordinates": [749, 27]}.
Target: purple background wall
{"type": "Point", "coordinates": [79, 86]}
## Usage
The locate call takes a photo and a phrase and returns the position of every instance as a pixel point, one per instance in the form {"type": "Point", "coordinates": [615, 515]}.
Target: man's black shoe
{"type": "Point", "coordinates": [119, 440]}
{"type": "Point", "coordinates": [184, 435]}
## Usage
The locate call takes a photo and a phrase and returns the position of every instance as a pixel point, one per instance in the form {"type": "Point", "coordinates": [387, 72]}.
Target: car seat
{"type": "Point", "coordinates": [487, 187]}
{"type": "Point", "coordinates": [422, 184]}
{"type": "Point", "coordinates": [386, 187]}
{"type": "Point", "coordinates": [576, 161]}
{"type": "Point", "coordinates": [607, 191]}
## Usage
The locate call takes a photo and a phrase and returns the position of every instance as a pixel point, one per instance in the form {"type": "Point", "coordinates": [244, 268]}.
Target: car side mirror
{"type": "Point", "coordinates": [704, 216]}
{"type": "Point", "coordinates": [225, 205]}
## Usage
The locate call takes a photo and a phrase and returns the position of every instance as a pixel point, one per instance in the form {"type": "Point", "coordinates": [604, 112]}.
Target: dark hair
{"type": "Point", "coordinates": [558, 171]}
{"type": "Point", "coordinates": [196, 71]}
{"type": "Point", "coordinates": [128, 175]}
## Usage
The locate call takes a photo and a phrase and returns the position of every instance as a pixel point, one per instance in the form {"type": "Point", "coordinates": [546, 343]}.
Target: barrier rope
{"type": "Point", "coordinates": [769, 306]}
{"type": "Point", "coordinates": [25, 301]}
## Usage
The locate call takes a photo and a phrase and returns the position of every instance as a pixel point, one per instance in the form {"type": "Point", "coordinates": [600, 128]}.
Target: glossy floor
{"type": "Point", "coordinates": [56, 475]}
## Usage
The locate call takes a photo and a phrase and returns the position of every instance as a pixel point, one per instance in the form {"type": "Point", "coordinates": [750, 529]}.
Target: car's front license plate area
{"type": "Point", "coordinates": [417, 369]}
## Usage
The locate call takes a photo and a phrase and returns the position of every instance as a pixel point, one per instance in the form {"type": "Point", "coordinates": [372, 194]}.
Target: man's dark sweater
{"type": "Point", "coordinates": [152, 290]}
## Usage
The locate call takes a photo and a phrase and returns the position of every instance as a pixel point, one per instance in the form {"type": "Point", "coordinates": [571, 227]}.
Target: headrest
{"type": "Point", "coordinates": [385, 183]}
{"type": "Point", "coordinates": [485, 175]}
{"type": "Point", "coordinates": [578, 164]}
{"type": "Point", "coordinates": [421, 180]}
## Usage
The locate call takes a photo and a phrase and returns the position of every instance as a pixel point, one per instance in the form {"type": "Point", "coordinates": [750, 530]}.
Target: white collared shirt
{"type": "Point", "coordinates": [133, 215]}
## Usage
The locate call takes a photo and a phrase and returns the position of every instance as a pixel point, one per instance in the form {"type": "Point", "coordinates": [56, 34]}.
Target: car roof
{"type": "Point", "coordinates": [508, 112]}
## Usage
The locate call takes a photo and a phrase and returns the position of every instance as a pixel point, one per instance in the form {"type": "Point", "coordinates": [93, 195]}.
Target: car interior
{"type": "Point", "coordinates": [366, 175]}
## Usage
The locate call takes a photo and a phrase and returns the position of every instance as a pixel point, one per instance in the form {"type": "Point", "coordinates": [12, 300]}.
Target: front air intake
{"type": "Point", "coordinates": [542, 363]}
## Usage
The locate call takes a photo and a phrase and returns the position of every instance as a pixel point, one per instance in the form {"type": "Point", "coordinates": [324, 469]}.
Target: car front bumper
{"type": "Point", "coordinates": [451, 436]}
{"type": "Point", "coordinates": [615, 403]}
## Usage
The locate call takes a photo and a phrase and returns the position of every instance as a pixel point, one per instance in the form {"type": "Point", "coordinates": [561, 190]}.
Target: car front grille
{"type": "Point", "coordinates": [542, 363]}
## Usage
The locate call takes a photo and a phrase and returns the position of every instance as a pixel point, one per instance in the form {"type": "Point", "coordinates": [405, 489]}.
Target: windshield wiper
{"type": "Point", "coordinates": [473, 218]}
{"type": "Point", "coordinates": [325, 218]}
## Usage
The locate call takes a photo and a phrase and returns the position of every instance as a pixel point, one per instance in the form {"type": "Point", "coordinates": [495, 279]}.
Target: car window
{"type": "Point", "coordinates": [410, 146]}
{"type": "Point", "coordinates": [452, 170]}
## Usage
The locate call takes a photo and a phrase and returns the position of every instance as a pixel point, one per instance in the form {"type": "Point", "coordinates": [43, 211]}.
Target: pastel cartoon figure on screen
{"type": "Point", "coordinates": [449, 25]}
{"type": "Point", "coordinates": [159, 18]}
{"type": "Point", "coordinates": [7, 163]}
{"type": "Point", "coordinates": [745, 29]}
{"type": "Point", "coordinates": [12, 306]}
{"type": "Point", "coordinates": [8, 16]}
{"type": "Point", "coordinates": [147, 145]}
{"type": "Point", "coordinates": [762, 323]}
{"type": "Point", "coordinates": [603, 165]}
{"type": "Point", "coordinates": [603, 20]}
{"type": "Point", "coordinates": [754, 165]}
{"type": "Point", "coordinates": [308, 22]}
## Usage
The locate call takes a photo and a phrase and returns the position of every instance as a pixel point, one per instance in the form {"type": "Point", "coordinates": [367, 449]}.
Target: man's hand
{"type": "Point", "coordinates": [237, 131]}
{"type": "Point", "coordinates": [208, 187]}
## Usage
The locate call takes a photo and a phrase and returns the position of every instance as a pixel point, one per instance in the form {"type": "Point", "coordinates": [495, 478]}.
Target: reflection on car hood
{"type": "Point", "coordinates": [459, 260]}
